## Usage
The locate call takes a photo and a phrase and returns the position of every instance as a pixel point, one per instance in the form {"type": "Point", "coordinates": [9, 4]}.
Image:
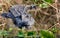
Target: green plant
{"type": "Point", "coordinates": [46, 34]}
{"type": "Point", "coordinates": [31, 33]}
{"type": "Point", "coordinates": [20, 34]}
{"type": "Point", "coordinates": [54, 30]}
{"type": "Point", "coordinates": [10, 29]}
{"type": "Point", "coordinates": [48, 1]}
{"type": "Point", "coordinates": [36, 0]}
{"type": "Point", "coordinates": [3, 33]}
{"type": "Point", "coordinates": [43, 5]}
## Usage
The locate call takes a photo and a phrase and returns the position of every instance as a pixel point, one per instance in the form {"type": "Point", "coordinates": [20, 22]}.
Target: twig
{"type": "Point", "coordinates": [53, 26]}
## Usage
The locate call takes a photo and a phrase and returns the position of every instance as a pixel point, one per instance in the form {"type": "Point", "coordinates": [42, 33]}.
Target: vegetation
{"type": "Point", "coordinates": [46, 15]}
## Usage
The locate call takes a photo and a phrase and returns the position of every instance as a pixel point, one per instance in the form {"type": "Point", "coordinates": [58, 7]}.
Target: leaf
{"type": "Point", "coordinates": [49, 1]}
{"type": "Point", "coordinates": [5, 33]}
{"type": "Point", "coordinates": [43, 5]}
{"type": "Point", "coordinates": [1, 32]}
{"type": "Point", "coordinates": [54, 30]}
{"type": "Point", "coordinates": [35, 0]}
{"type": "Point", "coordinates": [10, 29]}
{"type": "Point", "coordinates": [20, 34]}
{"type": "Point", "coordinates": [32, 33]}
{"type": "Point", "coordinates": [46, 34]}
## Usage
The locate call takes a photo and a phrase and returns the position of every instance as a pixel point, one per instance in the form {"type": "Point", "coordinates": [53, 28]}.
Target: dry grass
{"type": "Point", "coordinates": [44, 18]}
